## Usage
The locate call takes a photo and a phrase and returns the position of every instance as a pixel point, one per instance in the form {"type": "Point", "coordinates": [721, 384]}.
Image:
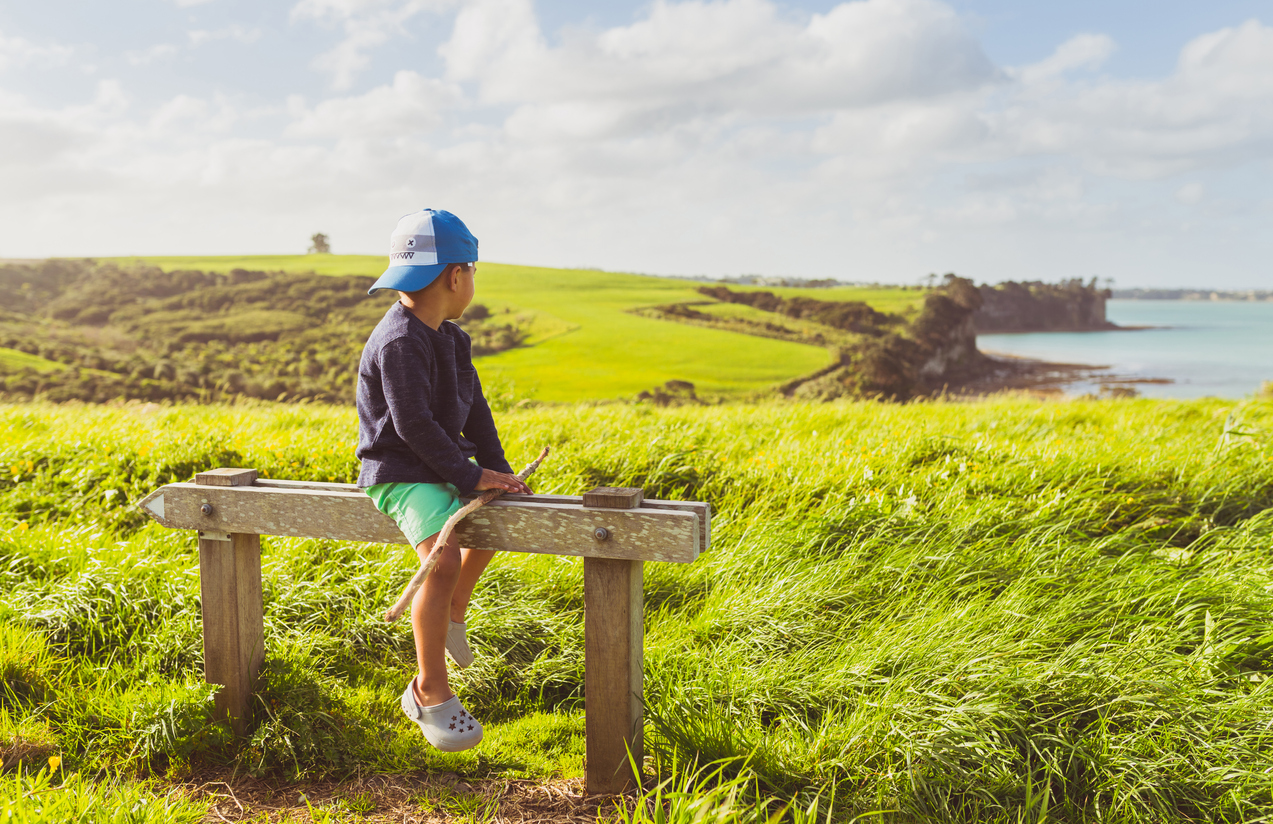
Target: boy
{"type": "Point", "coordinates": [425, 437]}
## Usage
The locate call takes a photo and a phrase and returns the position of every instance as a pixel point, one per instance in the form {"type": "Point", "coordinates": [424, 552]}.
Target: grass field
{"type": "Point", "coordinates": [995, 611]}
{"type": "Point", "coordinates": [585, 344]}
{"type": "Point", "coordinates": [12, 360]}
{"type": "Point", "coordinates": [884, 299]}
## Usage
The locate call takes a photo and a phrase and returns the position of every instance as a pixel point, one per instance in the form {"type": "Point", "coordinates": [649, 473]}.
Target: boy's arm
{"type": "Point", "coordinates": [481, 432]}
{"type": "Point", "coordinates": [404, 371]}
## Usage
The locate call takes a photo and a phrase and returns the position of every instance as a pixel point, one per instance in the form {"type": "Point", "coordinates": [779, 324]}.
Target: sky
{"type": "Point", "coordinates": [872, 140]}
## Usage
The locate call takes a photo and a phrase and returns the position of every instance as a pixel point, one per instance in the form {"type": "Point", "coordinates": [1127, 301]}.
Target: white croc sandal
{"type": "Point", "coordinates": [447, 726]}
{"type": "Point", "coordinates": [457, 645]}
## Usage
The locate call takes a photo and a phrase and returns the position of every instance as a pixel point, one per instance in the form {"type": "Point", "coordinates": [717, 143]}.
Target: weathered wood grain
{"type": "Point", "coordinates": [226, 477]}
{"type": "Point", "coordinates": [320, 485]}
{"type": "Point", "coordinates": [614, 642]}
{"type": "Point", "coordinates": [703, 510]}
{"type": "Point", "coordinates": [233, 628]}
{"type": "Point", "coordinates": [613, 497]}
{"type": "Point", "coordinates": [662, 531]}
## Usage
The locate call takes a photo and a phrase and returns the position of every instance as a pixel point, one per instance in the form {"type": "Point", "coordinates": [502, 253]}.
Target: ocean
{"type": "Point", "coordinates": [1196, 348]}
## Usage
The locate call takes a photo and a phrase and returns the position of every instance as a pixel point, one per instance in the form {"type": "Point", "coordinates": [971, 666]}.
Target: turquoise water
{"type": "Point", "coordinates": [1203, 348]}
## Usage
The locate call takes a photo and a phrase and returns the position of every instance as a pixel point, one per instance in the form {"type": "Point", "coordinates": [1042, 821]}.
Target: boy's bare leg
{"type": "Point", "coordinates": [430, 613]}
{"type": "Point", "coordinates": [473, 564]}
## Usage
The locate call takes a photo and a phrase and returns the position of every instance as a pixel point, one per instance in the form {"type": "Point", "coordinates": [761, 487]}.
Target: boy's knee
{"type": "Point", "coordinates": [448, 563]}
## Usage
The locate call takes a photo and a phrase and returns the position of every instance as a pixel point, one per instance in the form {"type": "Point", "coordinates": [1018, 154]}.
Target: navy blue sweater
{"type": "Point", "coordinates": [421, 413]}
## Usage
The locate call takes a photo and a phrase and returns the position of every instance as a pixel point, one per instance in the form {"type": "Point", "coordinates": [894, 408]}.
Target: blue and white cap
{"type": "Point", "coordinates": [421, 246]}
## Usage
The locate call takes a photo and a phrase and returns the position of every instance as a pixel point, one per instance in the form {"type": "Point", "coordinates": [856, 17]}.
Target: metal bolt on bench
{"type": "Point", "coordinates": [614, 530]}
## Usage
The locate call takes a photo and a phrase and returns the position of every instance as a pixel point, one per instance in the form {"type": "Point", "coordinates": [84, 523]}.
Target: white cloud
{"type": "Point", "coordinates": [144, 57]}
{"type": "Point", "coordinates": [1190, 193]}
{"type": "Point", "coordinates": [241, 34]}
{"type": "Point", "coordinates": [196, 38]}
{"type": "Point", "coordinates": [731, 57]}
{"type": "Point", "coordinates": [337, 9]}
{"type": "Point", "coordinates": [366, 23]}
{"type": "Point", "coordinates": [36, 141]}
{"type": "Point", "coordinates": [873, 141]}
{"type": "Point", "coordinates": [1085, 51]}
{"type": "Point", "coordinates": [109, 100]}
{"type": "Point", "coordinates": [411, 105]}
{"type": "Point", "coordinates": [185, 115]}
{"type": "Point", "coordinates": [53, 153]}
{"type": "Point", "coordinates": [1215, 110]}
{"type": "Point", "coordinates": [347, 59]}
{"type": "Point", "coordinates": [16, 52]}
{"type": "Point", "coordinates": [897, 139]}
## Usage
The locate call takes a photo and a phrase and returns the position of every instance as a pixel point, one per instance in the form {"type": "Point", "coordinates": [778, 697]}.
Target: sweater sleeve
{"type": "Point", "coordinates": [404, 369]}
{"type": "Point", "coordinates": [481, 432]}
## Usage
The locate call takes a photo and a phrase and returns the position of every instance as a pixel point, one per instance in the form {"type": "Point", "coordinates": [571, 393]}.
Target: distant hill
{"type": "Point", "coordinates": [1192, 294]}
{"type": "Point", "coordinates": [98, 331]}
{"type": "Point", "coordinates": [293, 327]}
{"type": "Point", "coordinates": [209, 328]}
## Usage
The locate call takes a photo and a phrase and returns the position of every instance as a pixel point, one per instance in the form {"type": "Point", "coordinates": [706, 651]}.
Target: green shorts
{"type": "Point", "coordinates": [419, 510]}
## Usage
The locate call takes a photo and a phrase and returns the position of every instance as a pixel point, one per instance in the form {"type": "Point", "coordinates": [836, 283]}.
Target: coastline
{"type": "Point", "coordinates": [1003, 372]}
{"type": "Point", "coordinates": [1070, 330]}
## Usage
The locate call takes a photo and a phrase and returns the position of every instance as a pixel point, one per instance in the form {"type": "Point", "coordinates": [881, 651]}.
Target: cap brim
{"type": "Point", "coordinates": [407, 278]}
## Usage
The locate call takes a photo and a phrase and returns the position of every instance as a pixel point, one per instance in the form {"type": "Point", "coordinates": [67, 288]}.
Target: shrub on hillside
{"type": "Point", "coordinates": [148, 334]}
{"type": "Point", "coordinates": [848, 316]}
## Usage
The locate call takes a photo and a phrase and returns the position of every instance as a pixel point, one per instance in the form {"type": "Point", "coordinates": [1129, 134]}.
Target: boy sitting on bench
{"type": "Point", "coordinates": [425, 437]}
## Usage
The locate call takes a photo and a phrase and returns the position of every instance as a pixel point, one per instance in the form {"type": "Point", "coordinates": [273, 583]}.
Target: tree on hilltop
{"type": "Point", "coordinates": [319, 245]}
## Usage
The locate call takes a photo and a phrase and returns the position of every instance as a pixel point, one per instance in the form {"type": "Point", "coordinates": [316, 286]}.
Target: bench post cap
{"type": "Point", "coordinates": [613, 497]}
{"type": "Point", "coordinates": [226, 477]}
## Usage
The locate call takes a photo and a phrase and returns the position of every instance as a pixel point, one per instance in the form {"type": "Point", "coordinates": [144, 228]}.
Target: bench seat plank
{"type": "Point", "coordinates": [703, 510]}
{"type": "Point", "coordinates": [553, 524]}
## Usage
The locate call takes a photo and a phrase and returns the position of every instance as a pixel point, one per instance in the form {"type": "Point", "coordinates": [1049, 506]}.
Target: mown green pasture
{"type": "Point", "coordinates": [12, 360]}
{"type": "Point", "coordinates": [996, 611]}
{"type": "Point", "coordinates": [885, 299]}
{"type": "Point", "coordinates": [369, 265]}
{"type": "Point", "coordinates": [585, 343]}
{"type": "Point", "coordinates": [611, 352]}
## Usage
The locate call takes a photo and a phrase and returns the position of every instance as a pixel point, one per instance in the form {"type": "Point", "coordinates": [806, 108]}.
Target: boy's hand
{"type": "Point", "coordinates": [501, 480]}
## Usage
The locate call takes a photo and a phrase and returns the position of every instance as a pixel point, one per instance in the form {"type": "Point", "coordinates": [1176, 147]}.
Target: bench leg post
{"type": "Point", "coordinates": [613, 649]}
{"type": "Point", "coordinates": [233, 628]}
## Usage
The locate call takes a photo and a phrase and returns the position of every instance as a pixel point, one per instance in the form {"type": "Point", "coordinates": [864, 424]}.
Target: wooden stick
{"type": "Point", "coordinates": [417, 581]}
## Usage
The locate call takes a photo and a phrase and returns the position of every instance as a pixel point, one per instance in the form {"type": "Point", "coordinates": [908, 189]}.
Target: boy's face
{"type": "Point", "coordinates": [467, 286]}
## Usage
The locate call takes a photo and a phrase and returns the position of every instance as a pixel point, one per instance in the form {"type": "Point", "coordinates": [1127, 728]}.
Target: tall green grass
{"type": "Point", "coordinates": [47, 797]}
{"type": "Point", "coordinates": [999, 611]}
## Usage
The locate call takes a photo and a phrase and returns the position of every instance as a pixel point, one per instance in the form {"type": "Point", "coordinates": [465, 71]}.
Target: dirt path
{"type": "Point", "coordinates": [404, 799]}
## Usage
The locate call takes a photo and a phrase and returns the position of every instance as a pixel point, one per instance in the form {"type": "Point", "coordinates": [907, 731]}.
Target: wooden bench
{"type": "Point", "coordinates": [614, 530]}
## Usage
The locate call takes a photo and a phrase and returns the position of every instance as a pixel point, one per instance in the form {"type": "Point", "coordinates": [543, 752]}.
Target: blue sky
{"type": "Point", "coordinates": [868, 140]}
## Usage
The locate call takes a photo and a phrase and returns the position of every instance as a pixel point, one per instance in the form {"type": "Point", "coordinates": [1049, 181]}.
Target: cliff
{"type": "Point", "coordinates": [937, 348]}
{"type": "Point", "coordinates": [1069, 306]}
